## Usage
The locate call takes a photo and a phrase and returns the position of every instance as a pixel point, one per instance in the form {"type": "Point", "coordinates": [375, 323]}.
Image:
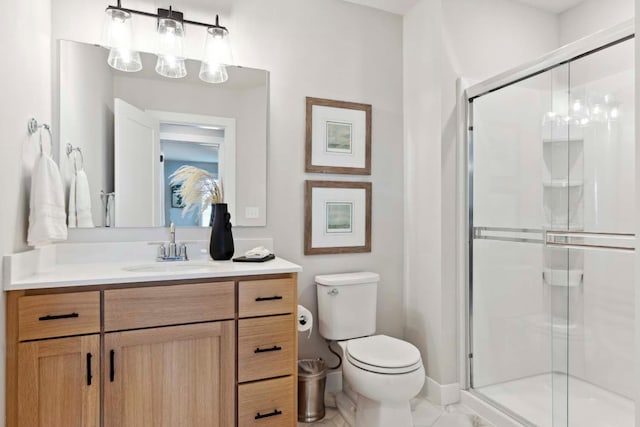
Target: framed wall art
{"type": "Point", "coordinates": [337, 217]}
{"type": "Point", "coordinates": [338, 137]}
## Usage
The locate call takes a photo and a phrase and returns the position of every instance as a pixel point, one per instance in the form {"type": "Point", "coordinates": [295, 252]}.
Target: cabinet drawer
{"type": "Point", "coordinates": [167, 305]}
{"type": "Point", "coordinates": [58, 315]}
{"type": "Point", "coordinates": [265, 347]}
{"type": "Point", "coordinates": [266, 297]}
{"type": "Point", "coordinates": [269, 403]}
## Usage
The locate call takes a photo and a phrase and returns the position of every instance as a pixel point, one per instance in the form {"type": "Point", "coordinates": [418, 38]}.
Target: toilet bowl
{"type": "Point", "coordinates": [385, 373]}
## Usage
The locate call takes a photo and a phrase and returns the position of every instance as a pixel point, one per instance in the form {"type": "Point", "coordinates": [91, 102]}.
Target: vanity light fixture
{"type": "Point", "coordinates": [170, 32]}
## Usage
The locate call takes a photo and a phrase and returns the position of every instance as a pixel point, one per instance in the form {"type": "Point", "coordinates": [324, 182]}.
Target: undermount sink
{"type": "Point", "coordinates": [170, 267]}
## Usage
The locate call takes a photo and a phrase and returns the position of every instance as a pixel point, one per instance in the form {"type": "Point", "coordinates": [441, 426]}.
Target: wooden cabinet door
{"type": "Point", "coordinates": [59, 382]}
{"type": "Point", "coordinates": [180, 376]}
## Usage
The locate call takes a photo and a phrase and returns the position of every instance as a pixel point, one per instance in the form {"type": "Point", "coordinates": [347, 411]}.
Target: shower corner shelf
{"type": "Point", "coordinates": [562, 278]}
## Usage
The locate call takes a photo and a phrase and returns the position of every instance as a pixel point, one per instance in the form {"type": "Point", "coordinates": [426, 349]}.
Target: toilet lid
{"type": "Point", "coordinates": [381, 351]}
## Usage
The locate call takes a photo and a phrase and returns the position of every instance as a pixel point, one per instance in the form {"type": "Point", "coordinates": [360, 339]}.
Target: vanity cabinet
{"type": "Point", "coordinates": [174, 354]}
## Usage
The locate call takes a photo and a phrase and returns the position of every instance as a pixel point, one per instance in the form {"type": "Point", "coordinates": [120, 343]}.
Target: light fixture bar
{"type": "Point", "coordinates": [118, 6]}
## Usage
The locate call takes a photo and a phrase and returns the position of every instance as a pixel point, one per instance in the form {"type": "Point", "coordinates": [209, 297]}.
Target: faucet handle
{"type": "Point", "coordinates": [162, 251]}
{"type": "Point", "coordinates": [183, 251]}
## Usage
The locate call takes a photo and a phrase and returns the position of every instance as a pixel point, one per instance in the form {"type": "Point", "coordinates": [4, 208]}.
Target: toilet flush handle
{"type": "Point", "coordinates": [333, 292]}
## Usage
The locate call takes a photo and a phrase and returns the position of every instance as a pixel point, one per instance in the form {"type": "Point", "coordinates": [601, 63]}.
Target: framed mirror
{"type": "Point", "coordinates": [129, 132]}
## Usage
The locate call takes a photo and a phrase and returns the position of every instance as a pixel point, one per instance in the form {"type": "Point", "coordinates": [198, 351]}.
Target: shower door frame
{"type": "Point", "coordinates": [466, 95]}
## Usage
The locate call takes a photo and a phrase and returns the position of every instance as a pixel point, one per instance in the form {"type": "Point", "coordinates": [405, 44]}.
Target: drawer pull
{"type": "Point", "coordinates": [112, 368]}
{"type": "Point", "coordinates": [260, 299]}
{"type": "Point", "coordinates": [266, 350]}
{"type": "Point", "coordinates": [270, 414]}
{"type": "Point", "coordinates": [89, 375]}
{"type": "Point", "coordinates": [59, 316]}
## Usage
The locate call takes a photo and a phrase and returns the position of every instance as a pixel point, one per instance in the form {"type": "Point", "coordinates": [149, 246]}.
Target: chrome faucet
{"type": "Point", "coordinates": [175, 252]}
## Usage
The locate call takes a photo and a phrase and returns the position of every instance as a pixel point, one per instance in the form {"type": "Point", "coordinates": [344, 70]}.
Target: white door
{"type": "Point", "coordinates": [137, 167]}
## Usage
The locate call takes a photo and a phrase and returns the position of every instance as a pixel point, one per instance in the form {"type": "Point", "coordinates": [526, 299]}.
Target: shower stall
{"type": "Point", "coordinates": [551, 156]}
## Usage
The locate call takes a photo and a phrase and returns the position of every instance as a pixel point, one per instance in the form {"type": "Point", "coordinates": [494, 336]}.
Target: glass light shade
{"type": "Point", "coordinates": [171, 49]}
{"type": "Point", "coordinates": [217, 54]}
{"type": "Point", "coordinates": [170, 38]}
{"type": "Point", "coordinates": [171, 67]}
{"type": "Point", "coordinates": [125, 60]}
{"type": "Point", "coordinates": [117, 36]}
{"type": "Point", "coordinates": [213, 73]}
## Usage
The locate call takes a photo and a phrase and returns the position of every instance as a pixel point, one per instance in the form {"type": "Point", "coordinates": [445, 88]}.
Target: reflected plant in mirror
{"type": "Point", "coordinates": [197, 190]}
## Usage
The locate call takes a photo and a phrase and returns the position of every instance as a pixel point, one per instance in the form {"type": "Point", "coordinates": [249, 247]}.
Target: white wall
{"type": "Point", "coordinates": [358, 60]}
{"type": "Point", "coordinates": [593, 15]}
{"type": "Point", "coordinates": [422, 103]}
{"type": "Point", "coordinates": [486, 37]}
{"type": "Point", "coordinates": [26, 91]}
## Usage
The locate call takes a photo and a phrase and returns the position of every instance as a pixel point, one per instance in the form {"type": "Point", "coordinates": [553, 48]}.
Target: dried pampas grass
{"type": "Point", "coordinates": [198, 189]}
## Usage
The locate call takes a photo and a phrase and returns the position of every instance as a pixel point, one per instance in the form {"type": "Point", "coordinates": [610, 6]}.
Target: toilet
{"type": "Point", "coordinates": [380, 374]}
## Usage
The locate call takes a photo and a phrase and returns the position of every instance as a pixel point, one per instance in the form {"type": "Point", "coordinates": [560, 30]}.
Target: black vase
{"type": "Point", "coordinates": [221, 244]}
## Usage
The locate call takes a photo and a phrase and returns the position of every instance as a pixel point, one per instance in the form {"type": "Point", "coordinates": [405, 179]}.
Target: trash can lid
{"type": "Point", "coordinates": [311, 368]}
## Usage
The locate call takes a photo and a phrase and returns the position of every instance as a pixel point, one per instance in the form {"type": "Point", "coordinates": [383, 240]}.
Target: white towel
{"type": "Point", "coordinates": [47, 217]}
{"type": "Point", "coordinates": [80, 201]}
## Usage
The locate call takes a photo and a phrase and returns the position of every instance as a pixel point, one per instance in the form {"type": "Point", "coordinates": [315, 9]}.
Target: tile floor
{"type": "Point", "coordinates": [425, 414]}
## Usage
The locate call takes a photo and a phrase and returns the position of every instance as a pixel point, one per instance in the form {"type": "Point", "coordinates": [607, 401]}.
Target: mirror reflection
{"type": "Point", "coordinates": [134, 130]}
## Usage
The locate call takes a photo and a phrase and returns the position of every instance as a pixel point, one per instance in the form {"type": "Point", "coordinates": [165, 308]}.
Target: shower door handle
{"type": "Point", "coordinates": [508, 234]}
{"type": "Point", "coordinates": [590, 240]}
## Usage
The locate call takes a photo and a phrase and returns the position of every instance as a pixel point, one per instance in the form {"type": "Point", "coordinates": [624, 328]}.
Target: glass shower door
{"type": "Point", "coordinates": [552, 216]}
{"type": "Point", "coordinates": [520, 188]}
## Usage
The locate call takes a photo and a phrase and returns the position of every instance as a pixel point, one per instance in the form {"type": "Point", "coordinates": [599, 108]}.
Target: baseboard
{"type": "Point", "coordinates": [441, 394]}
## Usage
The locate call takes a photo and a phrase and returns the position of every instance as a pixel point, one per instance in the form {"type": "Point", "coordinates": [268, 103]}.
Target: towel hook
{"type": "Point", "coordinates": [33, 126]}
{"type": "Point", "coordinates": [77, 150]}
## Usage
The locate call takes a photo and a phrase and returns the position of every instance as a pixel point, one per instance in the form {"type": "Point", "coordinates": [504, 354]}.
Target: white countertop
{"type": "Point", "coordinates": [76, 265]}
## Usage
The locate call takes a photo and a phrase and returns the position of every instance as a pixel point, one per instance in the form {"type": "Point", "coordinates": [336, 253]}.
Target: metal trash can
{"type": "Point", "coordinates": [312, 376]}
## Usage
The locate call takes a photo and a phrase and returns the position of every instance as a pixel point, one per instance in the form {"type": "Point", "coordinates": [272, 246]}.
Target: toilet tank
{"type": "Point", "coordinates": [347, 305]}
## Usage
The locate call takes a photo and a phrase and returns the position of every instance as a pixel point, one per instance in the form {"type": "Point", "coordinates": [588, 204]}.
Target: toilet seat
{"type": "Point", "coordinates": [383, 355]}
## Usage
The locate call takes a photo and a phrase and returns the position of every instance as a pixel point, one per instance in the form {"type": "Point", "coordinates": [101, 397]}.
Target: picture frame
{"type": "Point", "coordinates": [176, 198]}
{"type": "Point", "coordinates": [338, 137]}
{"type": "Point", "coordinates": [337, 217]}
